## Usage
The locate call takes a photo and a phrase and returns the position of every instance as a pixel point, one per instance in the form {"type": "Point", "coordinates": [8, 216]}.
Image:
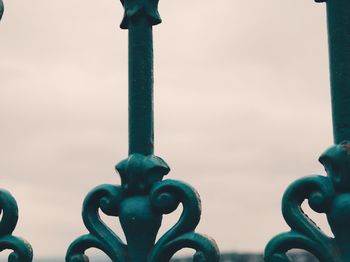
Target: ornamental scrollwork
{"type": "Point", "coordinates": [140, 203]}
{"type": "Point", "coordinates": [165, 198]}
{"type": "Point", "coordinates": [328, 195]}
{"type": "Point", "coordinates": [21, 249]}
{"type": "Point", "coordinates": [107, 199]}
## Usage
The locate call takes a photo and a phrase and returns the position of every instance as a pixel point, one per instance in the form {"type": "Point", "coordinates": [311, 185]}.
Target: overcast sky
{"type": "Point", "coordinates": [242, 109]}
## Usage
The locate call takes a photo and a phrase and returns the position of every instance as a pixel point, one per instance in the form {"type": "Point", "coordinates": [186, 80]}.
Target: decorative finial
{"type": "Point", "coordinates": [136, 8]}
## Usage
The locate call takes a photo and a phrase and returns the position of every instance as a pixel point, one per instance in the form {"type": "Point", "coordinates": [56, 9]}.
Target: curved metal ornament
{"type": "Point", "coordinates": [329, 195]}
{"type": "Point", "coordinates": [22, 251]}
{"type": "Point", "coordinates": [165, 197]}
{"type": "Point", "coordinates": [140, 203]}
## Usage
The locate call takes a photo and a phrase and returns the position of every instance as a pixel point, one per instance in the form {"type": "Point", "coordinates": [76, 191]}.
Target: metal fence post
{"type": "Point", "coordinates": [144, 197]}
{"type": "Point", "coordinates": [329, 195]}
{"type": "Point", "coordinates": [22, 251]}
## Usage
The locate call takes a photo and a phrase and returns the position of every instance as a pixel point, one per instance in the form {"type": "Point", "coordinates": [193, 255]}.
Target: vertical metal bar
{"type": "Point", "coordinates": [143, 197]}
{"type": "Point", "coordinates": [338, 14]}
{"type": "Point", "coordinates": [329, 195]}
{"type": "Point", "coordinates": [140, 86]}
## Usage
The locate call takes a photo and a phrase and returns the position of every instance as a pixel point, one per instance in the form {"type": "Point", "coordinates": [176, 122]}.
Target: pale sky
{"type": "Point", "coordinates": [242, 109]}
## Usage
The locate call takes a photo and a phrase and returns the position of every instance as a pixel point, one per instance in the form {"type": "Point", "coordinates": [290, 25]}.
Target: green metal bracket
{"type": "Point", "coordinates": [329, 195]}
{"type": "Point", "coordinates": [143, 197]}
{"type": "Point", "coordinates": [22, 251]}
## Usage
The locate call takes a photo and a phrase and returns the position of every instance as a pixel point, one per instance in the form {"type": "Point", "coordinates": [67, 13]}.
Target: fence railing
{"type": "Point", "coordinates": [328, 195]}
{"type": "Point", "coordinates": [143, 197]}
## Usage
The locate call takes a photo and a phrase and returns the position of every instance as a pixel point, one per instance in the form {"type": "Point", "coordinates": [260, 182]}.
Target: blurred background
{"type": "Point", "coordinates": [242, 109]}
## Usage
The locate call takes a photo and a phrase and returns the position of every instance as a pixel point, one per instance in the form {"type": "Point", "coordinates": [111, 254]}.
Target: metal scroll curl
{"type": "Point", "coordinates": [22, 251]}
{"type": "Point", "coordinates": [140, 204]}
{"type": "Point", "coordinates": [165, 197]}
{"type": "Point", "coordinates": [304, 232]}
{"type": "Point", "coordinates": [329, 195]}
{"type": "Point", "coordinates": [107, 198]}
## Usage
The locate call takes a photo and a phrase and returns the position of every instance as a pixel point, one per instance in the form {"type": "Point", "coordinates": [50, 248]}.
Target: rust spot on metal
{"type": "Point", "coordinates": [346, 146]}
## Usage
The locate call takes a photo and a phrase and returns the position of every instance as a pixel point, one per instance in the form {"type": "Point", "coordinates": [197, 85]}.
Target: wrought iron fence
{"type": "Point", "coordinates": [143, 197]}
{"type": "Point", "coordinates": [328, 195]}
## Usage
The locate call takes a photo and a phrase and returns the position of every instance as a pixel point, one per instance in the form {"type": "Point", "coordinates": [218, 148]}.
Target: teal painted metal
{"type": "Point", "coordinates": [338, 14]}
{"type": "Point", "coordinates": [1, 9]}
{"type": "Point", "coordinates": [143, 197]}
{"type": "Point", "coordinates": [329, 195]}
{"type": "Point", "coordinates": [22, 251]}
{"type": "Point", "coordinates": [140, 85]}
